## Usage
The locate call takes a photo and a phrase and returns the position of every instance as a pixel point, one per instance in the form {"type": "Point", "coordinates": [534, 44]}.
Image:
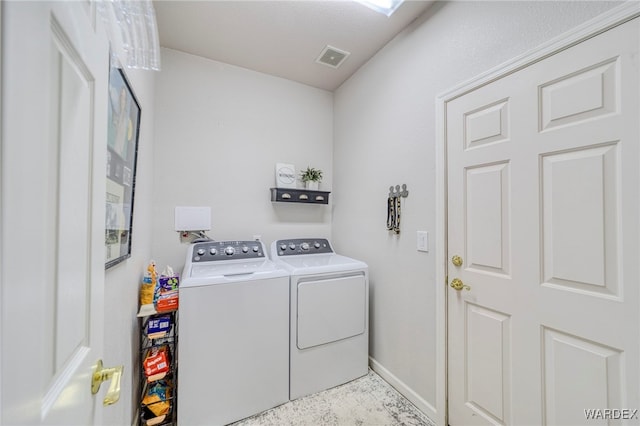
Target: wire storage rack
{"type": "Point", "coordinates": [158, 402]}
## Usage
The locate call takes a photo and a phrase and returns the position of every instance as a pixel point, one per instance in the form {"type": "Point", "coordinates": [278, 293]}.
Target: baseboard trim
{"type": "Point", "coordinates": [404, 389]}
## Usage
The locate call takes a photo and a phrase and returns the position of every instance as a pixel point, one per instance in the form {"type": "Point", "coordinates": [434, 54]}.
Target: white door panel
{"type": "Point", "coordinates": [543, 191]}
{"type": "Point", "coordinates": [581, 254]}
{"type": "Point", "coordinates": [568, 391]}
{"type": "Point", "coordinates": [55, 74]}
{"type": "Point", "coordinates": [487, 218]}
{"type": "Point", "coordinates": [488, 350]}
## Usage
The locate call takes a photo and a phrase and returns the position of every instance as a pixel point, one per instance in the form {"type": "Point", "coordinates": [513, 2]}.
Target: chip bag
{"type": "Point", "coordinates": [156, 399]}
{"type": "Point", "coordinates": [156, 363]}
{"type": "Point", "coordinates": [167, 291]}
{"type": "Point", "coordinates": [149, 283]}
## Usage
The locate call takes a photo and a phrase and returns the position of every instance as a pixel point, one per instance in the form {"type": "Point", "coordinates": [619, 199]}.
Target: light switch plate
{"type": "Point", "coordinates": [423, 241]}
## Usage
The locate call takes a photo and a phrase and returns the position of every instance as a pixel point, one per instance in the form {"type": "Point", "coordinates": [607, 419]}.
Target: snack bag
{"type": "Point", "coordinates": [167, 299]}
{"type": "Point", "coordinates": [156, 398]}
{"type": "Point", "coordinates": [158, 326]}
{"type": "Point", "coordinates": [156, 363]}
{"type": "Point", "coordinates": [149, 282]}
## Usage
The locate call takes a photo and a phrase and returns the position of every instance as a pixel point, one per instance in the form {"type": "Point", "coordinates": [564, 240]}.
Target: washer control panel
{"type": "Point", "coordinates": [209, 251]}
{"type": "Point", "coordinates": [303, 246]}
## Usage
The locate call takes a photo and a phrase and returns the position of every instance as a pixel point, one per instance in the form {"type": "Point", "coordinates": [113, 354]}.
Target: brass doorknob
{"type": "Point", "coordinates": [457, 284]}
{"type": "Point", "coordinates": [456, 260]}
{"type": "Point", "coordinates": [100, 375]}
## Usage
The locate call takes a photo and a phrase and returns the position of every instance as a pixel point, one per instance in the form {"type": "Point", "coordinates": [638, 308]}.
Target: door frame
{"type": "Point", "coordinates": [604, 22]}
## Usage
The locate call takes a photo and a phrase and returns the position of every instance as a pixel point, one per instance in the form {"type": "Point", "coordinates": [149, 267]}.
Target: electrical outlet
{"type": "Point", "coordinates": [423, 241]}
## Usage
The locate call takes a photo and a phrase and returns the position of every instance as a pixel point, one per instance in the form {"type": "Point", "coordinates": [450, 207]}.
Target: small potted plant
{"type": "Point", "coordinates": [311, 178]}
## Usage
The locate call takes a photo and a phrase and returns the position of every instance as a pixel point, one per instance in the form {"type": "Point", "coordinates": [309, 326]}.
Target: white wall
{"type": "Point", "coordinates": [220, 129]}
{"type": "Point", "coordinates": [122, 282]}
{"type": "Point", "coordinates": [384, 135]}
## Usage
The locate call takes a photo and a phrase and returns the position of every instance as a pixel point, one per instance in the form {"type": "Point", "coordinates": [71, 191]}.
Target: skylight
{"type": "Point", "coordinates": [386, 7]}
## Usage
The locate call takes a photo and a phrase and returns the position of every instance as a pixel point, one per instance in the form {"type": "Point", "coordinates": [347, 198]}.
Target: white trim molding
{"type": "Point", "coordinates": [602, 23]}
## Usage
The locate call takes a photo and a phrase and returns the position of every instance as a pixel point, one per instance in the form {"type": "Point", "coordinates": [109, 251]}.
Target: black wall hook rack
{"type": "Point", "coordinates": [393, 207]}
{"type": "Point", "coordinates": [395, 192]}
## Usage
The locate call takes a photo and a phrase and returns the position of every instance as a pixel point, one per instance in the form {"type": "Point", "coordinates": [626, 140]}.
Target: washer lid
{"type": "Point", "coordinates": [208, 273]}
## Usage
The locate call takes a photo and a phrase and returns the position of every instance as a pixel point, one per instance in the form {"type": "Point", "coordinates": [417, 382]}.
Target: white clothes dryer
{"type": "Point", "coordinates": [329, 293]}
{"type": "Point", "coordinates": [233, 349]}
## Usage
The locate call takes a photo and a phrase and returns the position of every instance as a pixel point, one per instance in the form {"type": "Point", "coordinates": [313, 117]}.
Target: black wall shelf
{"type": "Point", "coordinates": [290, 195]}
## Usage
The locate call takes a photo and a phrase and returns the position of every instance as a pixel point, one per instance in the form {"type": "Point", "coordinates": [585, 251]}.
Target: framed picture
{"type": "Point", "coordinates": [285, 175]}
{"type": "Point", "coordinates": [122, 152]}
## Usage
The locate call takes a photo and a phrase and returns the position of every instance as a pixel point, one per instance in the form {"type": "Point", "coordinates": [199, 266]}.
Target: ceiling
{"type": "Point", "coordinates": [282, 38]}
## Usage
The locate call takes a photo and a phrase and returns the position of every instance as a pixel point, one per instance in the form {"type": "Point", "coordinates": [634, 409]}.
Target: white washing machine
{"type": "Point", "coordinates": [233, 349]}
{"type": "Point", "coordinates": [329, 339]}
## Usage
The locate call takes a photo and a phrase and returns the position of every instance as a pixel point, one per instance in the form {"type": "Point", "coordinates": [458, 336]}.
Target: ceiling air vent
{"type": "Point", "coordinates": [332, 57]}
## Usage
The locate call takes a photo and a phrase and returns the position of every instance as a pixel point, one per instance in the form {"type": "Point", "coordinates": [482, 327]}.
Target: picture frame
{"type": "Point", "coordinates": [123, 129]}
{"type": "Point", "coordinates": [285, 175]}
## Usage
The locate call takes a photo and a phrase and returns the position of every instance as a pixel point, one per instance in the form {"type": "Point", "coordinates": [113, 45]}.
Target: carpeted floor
{"type": "Point", "coordinates": [367, 401]}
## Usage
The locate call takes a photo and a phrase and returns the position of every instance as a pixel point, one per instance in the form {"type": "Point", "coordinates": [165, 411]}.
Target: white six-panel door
{"type": "Point", "coordinates": [543, 191]}
{"type": "Point", "coordinates": [54, 87]}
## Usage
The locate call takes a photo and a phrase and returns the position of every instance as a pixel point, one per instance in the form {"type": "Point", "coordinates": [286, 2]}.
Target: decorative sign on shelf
{"type": "Point", "coordinates": [285, 175]}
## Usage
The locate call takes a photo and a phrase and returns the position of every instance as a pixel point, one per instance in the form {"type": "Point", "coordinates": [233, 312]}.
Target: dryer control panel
{"type": "Point", "coordinates": [303, 246]}
{"type": "Point", "coordinates": [209, 251]}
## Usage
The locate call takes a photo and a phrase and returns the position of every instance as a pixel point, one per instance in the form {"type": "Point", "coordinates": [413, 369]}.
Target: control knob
{"type": "Point", "coordinates": [304, 246]}
{"type": "Point", "coordinates": [283, 247]}
{"type": "Point", "coordinates": [229, 251]}
{"type": "Point", "coordinates": [245, 249]}
{"type": "Point", "coordinates": [213, 251]}
{"type": "Point", "coordinates": [255, 249]}
{"type": "Point", "coordinates": [292, 246]}
{"type": "Point", "coordinates": [316, 245]}
{"type": "Point", "coordinates": [201, 252]}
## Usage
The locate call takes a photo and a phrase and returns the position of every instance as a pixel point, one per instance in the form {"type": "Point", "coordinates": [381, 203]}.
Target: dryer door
{"type": "Point", "coordinates": [330, 309]}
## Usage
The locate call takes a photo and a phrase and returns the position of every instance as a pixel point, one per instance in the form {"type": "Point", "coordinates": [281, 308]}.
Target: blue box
{"type": "Point", "coordinates": [158, 326]}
